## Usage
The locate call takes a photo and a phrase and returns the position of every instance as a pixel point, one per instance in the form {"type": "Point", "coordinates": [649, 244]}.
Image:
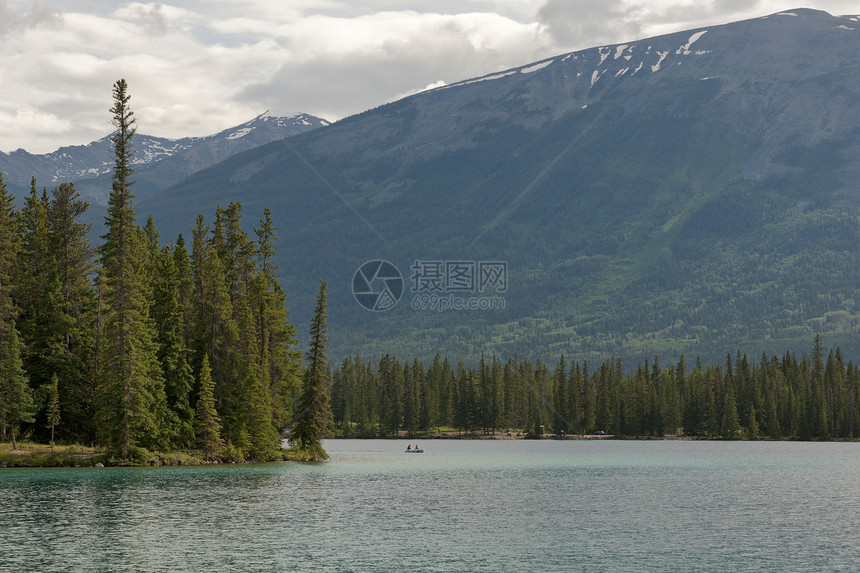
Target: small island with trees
{"type": "Point", "coordinates": [145, 352]}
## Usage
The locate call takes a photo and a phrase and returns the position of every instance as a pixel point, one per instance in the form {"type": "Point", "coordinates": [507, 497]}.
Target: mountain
{"type": "Point", "coordinates": [158, 162]}
{"type": "Point", "coordinates": [695, 192]}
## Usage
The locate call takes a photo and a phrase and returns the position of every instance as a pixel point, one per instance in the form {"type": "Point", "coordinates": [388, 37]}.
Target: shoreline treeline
{"type": "Point", "coordinates": [811, 397]}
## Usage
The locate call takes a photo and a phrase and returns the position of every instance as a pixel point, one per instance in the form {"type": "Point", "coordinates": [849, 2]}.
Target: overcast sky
{"type": "Point", "coordinates": [195, 67]}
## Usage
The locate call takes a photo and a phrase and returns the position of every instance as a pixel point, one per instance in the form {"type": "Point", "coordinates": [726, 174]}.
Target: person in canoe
{"type": "Point", "coordinates": [409, 447]}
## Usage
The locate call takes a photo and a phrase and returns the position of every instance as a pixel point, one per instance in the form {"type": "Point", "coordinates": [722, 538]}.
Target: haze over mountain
{"type": "Point", "coordinates": [158, 162]}
{"type": "Point", "coordinates": [695, 192]}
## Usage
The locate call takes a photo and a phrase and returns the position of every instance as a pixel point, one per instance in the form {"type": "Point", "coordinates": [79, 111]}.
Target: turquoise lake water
{"type": "Point", "coordinates": [460, 506]}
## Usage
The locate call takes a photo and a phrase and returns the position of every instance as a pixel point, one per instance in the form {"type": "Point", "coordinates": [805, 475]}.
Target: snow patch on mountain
{"type": "Point", "coordinates": [603, 55]}
{"type": "Point", "coordinates": [685, 49]}
{"type": "Point", "coordinates": [536, 67]}
{"type": "Point", "coordinates": [481, 79]}
{"type": "Point", "coordinates": [241, 132]}
{"type": "Point", "coordinates": [656, 67]}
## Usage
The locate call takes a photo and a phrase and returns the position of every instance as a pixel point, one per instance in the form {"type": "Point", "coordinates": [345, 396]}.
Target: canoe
{"type": "Point", "coordinates": [415, 451]}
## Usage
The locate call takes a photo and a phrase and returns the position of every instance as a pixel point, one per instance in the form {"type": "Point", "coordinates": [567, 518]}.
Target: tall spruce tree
{"type": "Point", "coordinates": [73, 255]}
{"type": "Point", "coordinates": [313, 415]}
{"type": "Point", "coordinates": [277, 334]}
{"type": "Point", "coordinates": [132, 400]}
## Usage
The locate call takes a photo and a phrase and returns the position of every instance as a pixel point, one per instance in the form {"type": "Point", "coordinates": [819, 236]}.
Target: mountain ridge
{"type": "Point", "coordinates": [158, 161]}
{"type": "Point", "coordinates": [637, 213]}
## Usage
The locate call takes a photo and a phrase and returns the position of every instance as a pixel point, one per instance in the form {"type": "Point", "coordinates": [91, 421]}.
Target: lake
{"type": "Point", "coordinates": [463, 505]}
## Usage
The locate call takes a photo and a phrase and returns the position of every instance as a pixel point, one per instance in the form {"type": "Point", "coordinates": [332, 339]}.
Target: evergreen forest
{"type": "Point", "coordinates": [811, 397]}
{"type": "Point", "coordinates": [138, 345]}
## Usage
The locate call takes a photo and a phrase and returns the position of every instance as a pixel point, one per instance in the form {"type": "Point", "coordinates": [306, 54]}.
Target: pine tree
{"type": "Point", "coordinates": [216, 333]}
{"type": "Point", "coordinates": [313, 416]}
{"type": "Point", "coordinates": [390, 396]}
{"type": "Point", "coordinates": [33, 263]}
{"type": "Point", "coordinates": [9, 246]}
{"type": "Point", "coordinates": [239, 257]}
{"type": "Point", "coordinates": [265, 441]}
{"type": "Point", "coordinates": [184, 290]}
{"type": "Point", "coordinates": [589, 399]}
{"type": "Point", "coordinates": [132, 405]}
{"type": "Point", "coordinates": [253, 378]}
{"type": "Point", "coordinates": [53, 407]}
{"type": "Point", "coordinates": [343, 382]}
{"type": "Point", "coordinates": [207, 422]}
{"type": "Point", "coordinates": [153, 246]}
{"type": "Point", "coordinates": [426, 397]}
{"type": "Point", "coordinates": [277, 335]}
{"type": "Point", "coordinates": [773, 429]}
{"type": "Point", "coordinates": [512, 395]}
{"type": "Point", "coordinates": [560, 400]}
{"type": "Point", "coordinates": [496, 397]}
{"type": "Point", "coordinates": [44, 323]}
{"type": "Point", "coordinates": [730, 423]}
{"type": "Point", "coordinates": [173, 355]}
{"type": "Point", "coordinates": [73, 255]}
{"type": "Point", "coordinates": [752, 427]}
{"type": "Point", "coordinates": [16, 397]}
{"type": "Point", "coordinates": [410, 401]}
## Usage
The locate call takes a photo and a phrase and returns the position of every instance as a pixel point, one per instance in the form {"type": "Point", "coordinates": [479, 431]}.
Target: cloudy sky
{"type": "Point", "coordinates": [195, 67]}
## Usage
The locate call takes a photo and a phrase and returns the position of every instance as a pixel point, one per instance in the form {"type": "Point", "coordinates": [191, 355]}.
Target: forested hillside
{"type": "Point", "coordinates": [695, 192]}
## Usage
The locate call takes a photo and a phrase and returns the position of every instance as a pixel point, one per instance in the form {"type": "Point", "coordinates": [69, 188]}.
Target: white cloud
{"type": "Point", "coordinates": [30, 123]}
{"type": "Point", "coordinates": [14, 21]}
{"type": "Point", "coordinates": [195, 67]}
{"type": "Point", "coordinates": [391, 53]}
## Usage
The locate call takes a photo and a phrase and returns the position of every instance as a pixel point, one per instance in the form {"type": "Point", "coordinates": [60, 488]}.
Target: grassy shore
{"type": "Point", "coordinates": [33, 455]}
{"type": "Point", "coordinates": [30, 455]}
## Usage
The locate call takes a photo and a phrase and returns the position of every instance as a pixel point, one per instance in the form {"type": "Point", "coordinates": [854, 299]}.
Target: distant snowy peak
{"type": "Point", "coordinates": [278, 115]}
{"type": "Point", "coordinates": [148, 149]}
{"type": "Point", "coordinates": [96, 158]}
{"type": "Point", "coordinates": [81, 162]}
{"type": "Point", "coordinates": [278, 120]}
